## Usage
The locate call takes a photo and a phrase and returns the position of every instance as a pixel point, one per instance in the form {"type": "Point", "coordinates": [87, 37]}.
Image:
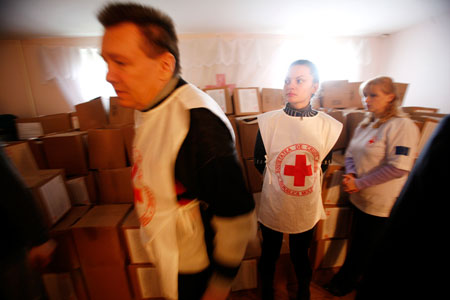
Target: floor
{"type": "Point", "coordinates": [285, 285]}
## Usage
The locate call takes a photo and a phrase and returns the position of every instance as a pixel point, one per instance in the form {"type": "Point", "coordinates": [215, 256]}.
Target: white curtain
{"type": "Point", "coordinates": [262, 61]}
{"type": "Point", "coordinates": [79, 72]}
{"type": "Point", "coordinates": [245, 60]}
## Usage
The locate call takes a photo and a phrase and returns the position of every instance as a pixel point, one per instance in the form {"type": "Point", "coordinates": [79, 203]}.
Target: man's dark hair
{"type": "Point", "coordinates": [157, 27]}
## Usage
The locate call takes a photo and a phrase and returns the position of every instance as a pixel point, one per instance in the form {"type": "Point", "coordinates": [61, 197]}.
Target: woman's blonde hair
{"type": "Point", "coordinates": [387, 86]}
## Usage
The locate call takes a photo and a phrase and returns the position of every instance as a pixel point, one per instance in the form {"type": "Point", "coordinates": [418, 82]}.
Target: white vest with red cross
{"type": "Point", "coordinates": [173, 234]}
{"type": "Point", "coordinates": [291, 200]}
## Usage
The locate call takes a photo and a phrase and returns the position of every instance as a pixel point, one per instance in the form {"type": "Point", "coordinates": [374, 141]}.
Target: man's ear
{"type": "Point", "coordinates": [167, 65]}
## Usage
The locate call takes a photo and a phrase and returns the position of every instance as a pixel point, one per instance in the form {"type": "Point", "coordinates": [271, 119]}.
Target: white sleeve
{"type": "Point", "coordinates": [402, 138]}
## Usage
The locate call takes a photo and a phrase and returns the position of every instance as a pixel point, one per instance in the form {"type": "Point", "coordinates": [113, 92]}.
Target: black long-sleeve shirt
{"type": "Point", "coordinates": [207, 168]}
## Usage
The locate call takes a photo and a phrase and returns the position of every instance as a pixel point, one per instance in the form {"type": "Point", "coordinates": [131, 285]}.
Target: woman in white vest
{"type": "Point", "coordinates": [290, 147]}
{"type": "Point", "coordinates": [377, 163]}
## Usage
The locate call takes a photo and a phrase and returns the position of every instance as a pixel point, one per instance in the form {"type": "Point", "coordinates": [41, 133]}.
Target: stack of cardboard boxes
{"type": "Point", "coordinates": [78, 166]}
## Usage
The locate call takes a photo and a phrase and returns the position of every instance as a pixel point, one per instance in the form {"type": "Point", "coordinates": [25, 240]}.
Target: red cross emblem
{"type": "Point", "coordinates": [302, 154]}
{"type": "Point", "coordinates": [300, 170]}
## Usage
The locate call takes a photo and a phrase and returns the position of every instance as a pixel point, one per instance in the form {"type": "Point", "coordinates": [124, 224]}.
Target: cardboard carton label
{"type": "Point", "coordinates": [248, 100]}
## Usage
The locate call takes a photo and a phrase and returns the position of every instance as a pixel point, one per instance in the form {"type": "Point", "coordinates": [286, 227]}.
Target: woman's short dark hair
{"type": "Point", "coordinates": [156, 26]}
{"type": "Point", "coordinates": [312, 68]}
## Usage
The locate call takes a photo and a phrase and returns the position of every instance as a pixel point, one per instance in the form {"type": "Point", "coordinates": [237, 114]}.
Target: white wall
{"type": "Point", "coordinates": [23, 92]}
{"type": "Point", "coordinates": [15, 93]}
{"type": "Point", "coordinates": [417, 55]}
{"type": "Point", "coordinates": [420, 56]}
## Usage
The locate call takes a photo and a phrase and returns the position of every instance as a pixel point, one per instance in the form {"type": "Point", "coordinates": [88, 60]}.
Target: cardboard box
{"type": "Point", "coordinates": [107, 282]}
{"type": "Point", "coordinates": [355, 96]}
{"type": "Point", "coordinates": [426, 132]}
{"type": "Point", "coordinates": [65, 286]}
{"type": "Point", "coordinates": [248, 130]}
{"type": "Point", "coordinates": [329, 253]}
{"type": "Point", "coordinates": [144, 281]}
{"type": "Point", "coordinates": [335, 94]}
{"type": "Point", "coordinates": [65, 258]}
{"type": "Point", "coordinates": [78, 190]}
{"type": "Point", "coordinates": [247, 276]}
{"type": "Point", "coordinates": [336, 225]}
{"type": "Point", "coordinates": [97, 236]}
{"type": "Point", "coordinates": [67, 151]}
{"type": "Point", "coordinates": [272, 99]}
{"type": "Point", "coordinates": [419, 109]}
{"type": "Point", "coordinates": [79, 186]}
{"type": "Point", "coordinates": [28, 128]}
{"type": "Point", "coordinates": [91, 114]}
{"type": "Point", "coordinates": [222, 97]}
{"type": "Point", "coordinates": [341, 143]}
{"type": "Point", "coordinates": [50, 193]}
{"type": "Point", "coordinates": [247, 101]}
{"type": "Point", "coordinates": [106, 149]}
{"type": "Point", "coordinates": [115, 185]}
{"type": "Point", "coordinates": [119, 115]}
{"type": "Point", "coordinates": [255, 179]}
{"type": "Point", "coordinates": [401, 89]}
{"type": "Point", "coordinates": [22, 158]}
{"type": "Point", "coordinates": [56, 123]}
{"type": "Point", "coordinates": [332, 190]}
{"type": "Point", "coordinates": [135, 249]}
{"type": "Point", "coordinates": [238, 146]}
{"type": "Point", "coordinates": [128, 132]}
{"type": "Point", "coordinates": [353, 119]}
{"type": "Point", "coordinates": [37, 149]}
{"type": "Point", "coordinates": [74, 120]}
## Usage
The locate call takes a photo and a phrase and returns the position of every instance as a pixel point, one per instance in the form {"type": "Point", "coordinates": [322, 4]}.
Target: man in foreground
{"type": "Point", "coordinates": [195, 212]}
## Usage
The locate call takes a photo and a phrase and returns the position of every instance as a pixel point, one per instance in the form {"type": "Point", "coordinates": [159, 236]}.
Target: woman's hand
{"type": "Point", "coordinates": [348, 183]}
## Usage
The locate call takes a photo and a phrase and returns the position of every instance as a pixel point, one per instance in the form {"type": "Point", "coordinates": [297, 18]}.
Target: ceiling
{"type": "Point", "coordinates": [21, 19]}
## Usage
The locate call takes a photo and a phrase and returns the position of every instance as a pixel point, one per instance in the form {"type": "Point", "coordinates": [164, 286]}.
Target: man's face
{"type": "Point", "coordinates": [136, 77]}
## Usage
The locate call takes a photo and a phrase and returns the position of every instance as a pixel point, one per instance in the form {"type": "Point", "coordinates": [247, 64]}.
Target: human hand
{"type": "Point", "coordinates": [216, 293]}
{"type": "Point", "coordinates": [40, 256]}
{"type": "Point", "coordinates": [348, 183]}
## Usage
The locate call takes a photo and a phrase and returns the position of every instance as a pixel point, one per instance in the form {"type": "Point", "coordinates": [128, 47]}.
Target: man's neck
{"type": "Point", "coordinates": [166, 90]}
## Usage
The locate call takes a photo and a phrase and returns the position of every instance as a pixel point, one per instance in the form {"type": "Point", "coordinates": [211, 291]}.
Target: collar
{"type": "Point", "coordinates": [168, 89]}
{"type": "Point", "coordinates": [303, 112]}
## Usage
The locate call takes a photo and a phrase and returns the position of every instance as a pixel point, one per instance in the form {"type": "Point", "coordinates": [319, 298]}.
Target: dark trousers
{"type": "Point", "coordinates": [270, 251]}
{"type": "Point", "coordinates": [193, 286]}
{"type": "Point", "coordinates": [367, 231]}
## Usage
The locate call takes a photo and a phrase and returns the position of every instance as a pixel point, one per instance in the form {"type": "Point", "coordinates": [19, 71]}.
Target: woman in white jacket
{"type": "Point", "coordinates": [377, 162]}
